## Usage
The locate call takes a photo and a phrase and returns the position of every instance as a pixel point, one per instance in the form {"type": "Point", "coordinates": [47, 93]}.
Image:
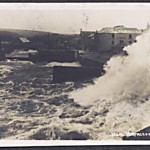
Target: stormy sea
{"type": "Point", "coordinates": [32, 107]}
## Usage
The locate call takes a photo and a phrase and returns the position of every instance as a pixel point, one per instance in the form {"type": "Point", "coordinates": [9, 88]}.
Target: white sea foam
{"type": "Point", "coordinates": [126, 78]}
{"type": "Point", "coordinates": [121, 97]}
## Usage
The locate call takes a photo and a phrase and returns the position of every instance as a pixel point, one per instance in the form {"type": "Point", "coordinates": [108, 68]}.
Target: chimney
{"type": "Point", "coordinates": [148, 26]}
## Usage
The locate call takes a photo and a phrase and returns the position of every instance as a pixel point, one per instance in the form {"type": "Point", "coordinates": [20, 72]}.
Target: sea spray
{"type": "Point", "coordinates": [126, 78]}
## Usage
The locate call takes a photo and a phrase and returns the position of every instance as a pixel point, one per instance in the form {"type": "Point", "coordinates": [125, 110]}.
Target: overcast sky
{"type": "Point", "coordinates": [69, 18]}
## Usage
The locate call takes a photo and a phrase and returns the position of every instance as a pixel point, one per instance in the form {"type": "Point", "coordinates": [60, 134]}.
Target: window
{"type": "Point", "coordinates": [113, 35]}
{"type": "Point", "coordinates": [121, 42]}
{"type": "Point", "coordinates": [113, 42]}
{"type": "Point", "coordinates": [130, 42]}
{"type": "Point", "coordinates": [130, 36]}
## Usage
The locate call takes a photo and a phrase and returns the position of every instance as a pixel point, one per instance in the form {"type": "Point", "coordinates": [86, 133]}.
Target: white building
{"type": "Point", "coordinates": [115, 38]}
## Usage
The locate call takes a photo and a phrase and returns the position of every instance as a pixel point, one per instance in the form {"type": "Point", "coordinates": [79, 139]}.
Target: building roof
{"type": "Point", "coordinates": [24, 40]}
{"type": "Point", "coordinates": [120, 29]}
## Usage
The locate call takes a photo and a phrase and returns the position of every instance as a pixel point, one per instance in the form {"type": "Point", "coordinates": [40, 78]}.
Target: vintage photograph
{"type": "Point", "coordinates": [74, 71]}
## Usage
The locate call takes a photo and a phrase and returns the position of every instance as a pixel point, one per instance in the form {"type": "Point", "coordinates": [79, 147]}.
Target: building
{"type": "Point", "coordinates": [87, 40]}
{"type": "Point", "coordinates": [115, 38]}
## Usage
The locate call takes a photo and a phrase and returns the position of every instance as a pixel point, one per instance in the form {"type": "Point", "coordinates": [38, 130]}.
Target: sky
{"type": "Point", "coordinates": [69, 18]}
